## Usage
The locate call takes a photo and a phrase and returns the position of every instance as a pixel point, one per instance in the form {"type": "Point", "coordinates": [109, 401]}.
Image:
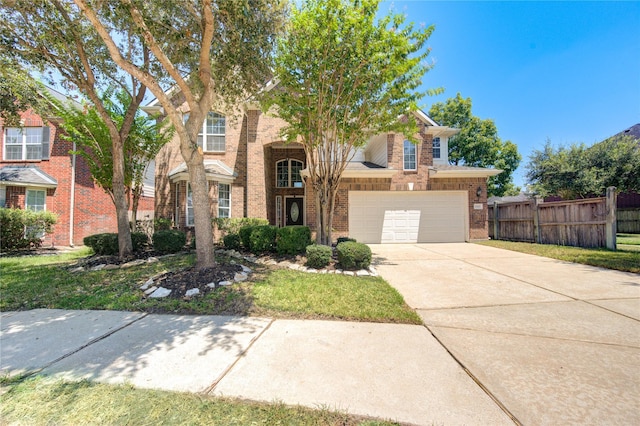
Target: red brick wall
{"type": "Point", "coordinates": [478, 228]}
{"type": "Point", "coordinates": [94, 211]}
{"type": "Point", "coordinates": [247, 142]}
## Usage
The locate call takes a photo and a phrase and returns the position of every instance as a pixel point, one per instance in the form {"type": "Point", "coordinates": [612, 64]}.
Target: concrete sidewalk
{"type": "Point", "coordinates": [554, 342]}
{"type": "Point", "coordinates": [397, 372]}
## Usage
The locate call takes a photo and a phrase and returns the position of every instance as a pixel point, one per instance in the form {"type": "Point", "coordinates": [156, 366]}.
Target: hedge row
{"type": "Point", "coordinates": [165, 241]}
{"type": "Point", "coordinates": [232, 225]}
{"type": "Point", "coordinates": [266, 238]}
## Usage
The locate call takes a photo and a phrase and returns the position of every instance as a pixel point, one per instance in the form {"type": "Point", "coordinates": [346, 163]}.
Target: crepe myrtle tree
{"type": "Point", "coordinates": [212, 53]}
{"type": "Point", "coordinates": [343, 74]}
{"type": "Point", "coordinates": [54, 38]}
{"type": "Point", "coordinates": [86, 128]}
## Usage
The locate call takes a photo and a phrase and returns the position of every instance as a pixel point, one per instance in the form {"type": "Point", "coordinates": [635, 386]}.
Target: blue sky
{"type": "Point", "coordinates": [567, 71]}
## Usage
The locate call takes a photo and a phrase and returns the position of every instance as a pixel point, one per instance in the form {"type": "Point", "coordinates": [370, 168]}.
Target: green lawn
{"type": "Point", "coordinates": [40, 401]}
{"type": "Point", "coordinates": [305, 295]}
{"type": "Point", "coordinates": [622, 260]}
{"type": "Point", "coordinates": [30, 282]}
{"type": "Point", "coordinates": [628, 242]}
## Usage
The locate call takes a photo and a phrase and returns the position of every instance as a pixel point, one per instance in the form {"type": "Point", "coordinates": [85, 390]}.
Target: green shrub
{"type": "Point", "coordinates": [232, 241]}
{"type": "Point", "coordinates": [22, 229]}
{"type": "Point", "coordinates": [345, 239]}
{"type": "Point", "coordinates": [103, 244]}
{"type": "Point", "coordinates": [353, 255]}
{"type": "Point", "coordinates": [161, 224]}
{"type": "Point", "coordinates": [245, 236]}
{"type": "Point", "coordinates": [262, 239]}
{"type": "Point", "coordinates": [292, 239]}
{"type": "Point", "coordinates": [139, 240]}
{"type": "Point", "coordinates": [232, 225]}
{"type": "Point", "coordinates": [318, 256]}
{"type": "Point", "coordinates": [107, 243]}
{"type": "Point", "coordinates": [169, 241]}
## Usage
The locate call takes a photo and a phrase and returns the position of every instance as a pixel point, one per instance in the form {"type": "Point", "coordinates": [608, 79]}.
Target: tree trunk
{"type": "Point", "coordinates": [318, 218]}
{"type": "Point", "coordinates": [205, 256]}
{"type": "Point", "coordinates": [325, 200]}
{"type": "Point", "coordinates": [135, 200]}
{"type": "Point", "coordinates": [125, 246]}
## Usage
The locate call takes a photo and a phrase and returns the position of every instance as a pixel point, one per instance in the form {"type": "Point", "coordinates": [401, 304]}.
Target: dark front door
{"type": "Point", "coordinates": [294, 213]}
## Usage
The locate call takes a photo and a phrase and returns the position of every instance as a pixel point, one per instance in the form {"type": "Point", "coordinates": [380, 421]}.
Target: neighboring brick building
{"type": "Point", "coordinates": [38, 172]}
{"type": "Point", "coordinates": [392, 190]}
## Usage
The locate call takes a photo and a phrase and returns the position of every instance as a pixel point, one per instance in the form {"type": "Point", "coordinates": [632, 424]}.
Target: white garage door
{"type": "Point", "coordinates": [408, 216]}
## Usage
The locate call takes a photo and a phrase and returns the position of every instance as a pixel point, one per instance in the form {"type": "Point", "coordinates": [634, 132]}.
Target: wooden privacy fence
{"type": "Point", "coordinates": [628, 220]}
{"type": "Point", "coordinates": [582, 223]}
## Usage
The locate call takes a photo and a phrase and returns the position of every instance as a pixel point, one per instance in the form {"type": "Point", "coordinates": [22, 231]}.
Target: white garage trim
{"type": "Point", "coordinates": [409, 216]}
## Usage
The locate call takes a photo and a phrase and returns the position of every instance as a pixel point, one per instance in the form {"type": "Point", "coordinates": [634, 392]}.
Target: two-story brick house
{"type": "Point", "coordinates": [392, 190]}
{"type": "Point", "coordinates": [39, 172]}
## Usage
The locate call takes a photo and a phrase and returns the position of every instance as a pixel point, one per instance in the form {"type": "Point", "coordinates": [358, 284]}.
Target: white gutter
{"type": "Point", "coordinates": [72, 198]}
{"type": "Point", "coordinates": [29, 184]}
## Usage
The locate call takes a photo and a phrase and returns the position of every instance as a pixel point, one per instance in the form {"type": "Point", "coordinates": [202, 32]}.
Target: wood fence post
{"type": "Point", "coordinates": [496, 223]}
{"type": "Point", "coordinates": [611, 217]}
{"type": "Point", "coordinates": [537, 234]}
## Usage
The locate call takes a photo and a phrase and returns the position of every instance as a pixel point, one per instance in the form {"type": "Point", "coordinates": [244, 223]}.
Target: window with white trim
{"type": "Point", "coordinates": [189, 207]}
{"type": "Point", "coordinates": [211, 137]}
{"type": "Point", "coordinates": [409, 155]}
{"type": "Point", "coordinates": [436, 148]}
{"type": "Point", "coordinates": [27, 143]}
{"type": "Point", "coordinates": [224, 200]}
{"type": "Point", "coordinates": [36, 200]}
{"type": "Point", "coordinates": [3, 196]}
{"type": "Point", "coordinates": [288, 173]}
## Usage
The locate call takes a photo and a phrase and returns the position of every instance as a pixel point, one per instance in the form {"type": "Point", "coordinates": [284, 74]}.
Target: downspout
{"type": "Point", "coordinates": [72, 198]}
{"type": "Point", "coordinates": [246, 175]}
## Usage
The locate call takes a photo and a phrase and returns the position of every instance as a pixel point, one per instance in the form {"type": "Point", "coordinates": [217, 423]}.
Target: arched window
{"type": "Point", "coordinates": [288, 173]}
{"type": "Point", "coordinates": [409, 155]}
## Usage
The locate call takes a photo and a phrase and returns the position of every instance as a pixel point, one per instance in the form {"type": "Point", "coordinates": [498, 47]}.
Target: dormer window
{"type": "Point", "coordinates": [436, 148]}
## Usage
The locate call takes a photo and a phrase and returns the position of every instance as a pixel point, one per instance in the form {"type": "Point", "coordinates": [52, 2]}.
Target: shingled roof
{"type": "Point", "coordinates": [633, 131]}
{"type": "Point", "coordinates": [26, 176]}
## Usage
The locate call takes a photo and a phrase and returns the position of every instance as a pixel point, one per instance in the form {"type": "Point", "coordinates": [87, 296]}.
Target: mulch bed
{"type": "Point", "coordinates": [186, 279]}
{"type": "Point", "coordinates": [178, 281]}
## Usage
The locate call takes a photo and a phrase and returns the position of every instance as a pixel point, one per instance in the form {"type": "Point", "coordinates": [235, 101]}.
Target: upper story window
{"type": "Point", "coordinates": [211, 138]}
{"type": "Point", "coordinates": [288, 174]}
{"type": "Point", "coordinates": [409, 155]}
{"type": "Point", "coordinates": [27, 143]}
{"type": "Point", "coordinates": [436, 148]}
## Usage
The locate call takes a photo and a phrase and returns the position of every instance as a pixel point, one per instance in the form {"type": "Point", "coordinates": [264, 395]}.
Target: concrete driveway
{"type": "Point", "coordinates": [553, 342]}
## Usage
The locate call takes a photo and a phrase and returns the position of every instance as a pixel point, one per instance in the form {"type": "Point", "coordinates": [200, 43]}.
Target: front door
{"type": "Point", "coordinates": [294, 211]}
